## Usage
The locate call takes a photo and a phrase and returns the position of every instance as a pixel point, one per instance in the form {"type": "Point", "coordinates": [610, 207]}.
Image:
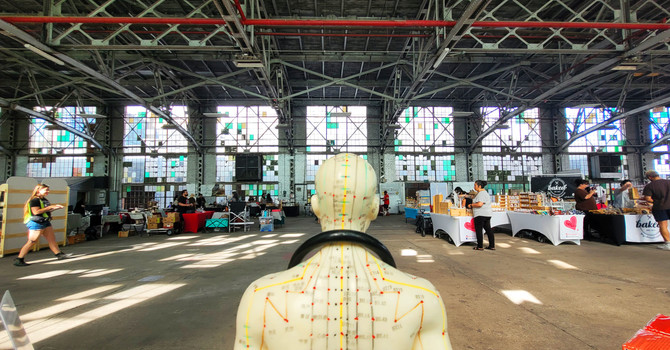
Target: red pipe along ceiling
{"type": "Point", "coordinates": [332, 23]}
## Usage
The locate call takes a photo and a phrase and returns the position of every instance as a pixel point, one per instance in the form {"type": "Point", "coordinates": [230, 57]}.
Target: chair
{"type": "Point", "coordinates": [139, 223]}
{"type": "Point", "coordinates": [239, 216]}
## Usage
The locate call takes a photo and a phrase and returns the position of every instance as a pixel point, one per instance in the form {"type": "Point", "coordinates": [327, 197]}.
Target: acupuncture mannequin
{"type": "Point", "coordinates": [343, 297]}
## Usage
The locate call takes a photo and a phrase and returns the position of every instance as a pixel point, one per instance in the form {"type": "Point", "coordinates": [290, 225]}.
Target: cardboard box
{"type": "Point", "coordinates": [168, 225]}
{"type": "Point", "coordinates": [123, 233]}
{"type": "Point", "coordinates": [154, 219]}
{"type": "Point", "coordinates": [173, 216]}
{"type": "Point", "coordinates": [151, 226]}
{"type": "Point", "coordinates": [80, 238]}
{"type": "Point", "coordinates": [70, 240]}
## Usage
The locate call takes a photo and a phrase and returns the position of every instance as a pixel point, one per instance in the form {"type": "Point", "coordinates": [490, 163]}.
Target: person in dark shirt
{"type": "Point", "coordinates": [80, 207]}
{"type": "Point", "coordinates": [183, 205]}
{"type": "Point", "coordinates": [200, 201]}
{"type": "Point", "coordinates": [657, 192]}
{"type": "Point", "coordinates": [585, 199]}
{"type": "Point", "coordinates": [37, 217]}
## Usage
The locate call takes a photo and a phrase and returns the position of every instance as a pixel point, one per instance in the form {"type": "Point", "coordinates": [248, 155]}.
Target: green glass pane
{"type": "Point", "coordinates": [172, 174]}
{"type": "Point", "coordinates": [181, 158]}
{"type": "Point", "coordinates": [139, 126]}
{"type": "Point", "coordinates": [365, 156]}
{"type": "Point", "coordinates": [616, 149]}
{"type": "Point", "coordinates": [229, 125]}
{"type": "Point", "coordinates": [407, 112]}
{"type": "Point", "coordinates": [239, 126]}
{"type": "Point", "coordinates": [127, 188]}
{"type": "Point", "coordinates": [427, 137]}
{"type": "Point", "coordinates": [395, 142]}
{"type": "Point", "coordinates": [435, 126]}
{"type": "Point", "coordinates": [251, 137]}
{"type": "Point", "coordinates": [446, 120]}
{"type": "Point", "coordinates": [146, 174]}
{"type": "Point", "coordinates": [407, 120]}
{"type": "Point", "coordinates": [397, 148]}
{"type": "Point", "coordinates": [400, 142]}
{"type": "Point", "coordinates": [142, 114]}
{"type": "Point", "coordinates": [664, 114]}
{"type": "Point", "coordinates": [328, 118]}
{"type": "Point", "coordinates": [174, 163]}
{"type": "Point", "coordinates": [309, 148]}
{"type": "Point", "coordinates": [88, 164]}
{"type": "Point", "coordinates": [400, 157]}
{"type": "Point", "coordinates": [446, 178]}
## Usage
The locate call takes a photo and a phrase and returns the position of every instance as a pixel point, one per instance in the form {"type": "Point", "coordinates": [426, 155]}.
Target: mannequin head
{"type": "Point", "coordinates": [346, 193]}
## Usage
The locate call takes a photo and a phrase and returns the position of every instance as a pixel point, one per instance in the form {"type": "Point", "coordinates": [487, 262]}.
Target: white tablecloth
{"type": "Point", "coordinates": [557, 228]}
{"type": "Point", "coordinates": [461, 229]}
{"type": "Point", "coordinates": [642, 229]}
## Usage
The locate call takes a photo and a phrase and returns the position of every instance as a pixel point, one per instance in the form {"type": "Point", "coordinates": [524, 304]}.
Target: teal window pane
{"type": "Point", "coordinates": [142, 114]}
{"type": "Point", "coordinates": [395, 142]}
{"type": "Point", "coordinates": [174, 163]}
{"type": "Point", "coordinates": [427, 137]}
{"type": "Point", "coordinates": [664, 114]}
{"type": "Point", "coordinates": [139, 126]}
{"type": "Point", "coordinates": [172, 174]}
{"type": "Point", "coordinates": [435, 125]}
{"type": "Point", "coordinates": [146, 174]}
{"type": "Point", "coordinates": [407, 120]}
{"type": "Point", "coordinates": [88, 164]}
{"type": "Point", "coordinates": [400, 157]}
{"type": "Point", "coordinates": [251, 137]}
{"type": "Point", "coordinates": [181, 158]}
{"type": "Point", "coordinates": [446, 120]}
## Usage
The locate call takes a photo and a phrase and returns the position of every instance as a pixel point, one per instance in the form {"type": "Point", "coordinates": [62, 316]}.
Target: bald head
{"type": "Point", "coordinates": [346, 193]}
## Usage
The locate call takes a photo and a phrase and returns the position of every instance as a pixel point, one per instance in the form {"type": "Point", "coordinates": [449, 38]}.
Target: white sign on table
{"type": "Point", "coordinates": [642, 229]}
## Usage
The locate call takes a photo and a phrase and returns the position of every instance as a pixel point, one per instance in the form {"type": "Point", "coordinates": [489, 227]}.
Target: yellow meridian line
{"type": "Point", "coordinates": [346, 175]}
{"type": "Point", "coordinates": [381, 273]}
{"type": "Point", "coordinates": [288, 281]}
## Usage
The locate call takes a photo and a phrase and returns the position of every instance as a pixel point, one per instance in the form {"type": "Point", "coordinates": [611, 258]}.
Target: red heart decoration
{"type": "Point", "coordinates": [470, 225]}
{"type": "Point", "coordinates": [571, 224]}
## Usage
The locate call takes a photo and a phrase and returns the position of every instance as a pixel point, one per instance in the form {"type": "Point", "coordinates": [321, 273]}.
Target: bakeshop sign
{"type": "Point", "coordinates": [557, 187]}
{"type": "Point", "coordinates": [648, 226]}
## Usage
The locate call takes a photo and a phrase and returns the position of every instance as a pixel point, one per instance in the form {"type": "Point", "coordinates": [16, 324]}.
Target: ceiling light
{"type": "Point", "coordinates": [624, 66]}
{"type": "Point", "coordinates": [502, 127]}
{"type": "Point", "coordinates": [92, 115]}
{"type": "Point", "coordinates": [440, 58]}
{"type": "Point", "coordinates": [247, 61]}
{"type": "Point", "coordinates": [340, 114]}
{"type": "Point", "coordinates": [456, 114]}
{"type": "Point", "coordinates": [44, 54]}
{"type": "Point", "coordinates": [52, 127]}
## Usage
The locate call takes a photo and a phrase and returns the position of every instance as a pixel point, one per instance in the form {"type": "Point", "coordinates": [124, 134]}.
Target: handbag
{"type": "Point", "coordinates": [39, 219]}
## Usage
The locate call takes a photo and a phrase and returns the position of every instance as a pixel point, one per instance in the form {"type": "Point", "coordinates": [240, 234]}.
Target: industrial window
{"type": "Point", "coordinates": [609, 138]}
{"type": "Point", "coordinates": [660, 127]}
{"type": "Point", "coordinates": [148, 133]}
{"type": "Point", "coordinates": [511, 169]}
{"type": "Point", "coordinates": [425, 129]}
{"type": "Point", "coordinates": [163, 175]}
{"type": "Point", "coordinates": [520, 134]}
{"type": "Point", "coordinates": [55, 152]}
{"type": "Point", "coordinates": [246, 129]}
{"type": "Point", "coordinates": [332, 129]}
{"type": "Point", "coordinates": [425, 168]}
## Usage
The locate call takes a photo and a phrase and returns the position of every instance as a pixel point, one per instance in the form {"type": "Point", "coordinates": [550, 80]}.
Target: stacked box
{"type": "Point", "coordinates": [168, 224]}
{"type": "Point", "coordinates": [153, 226]}
{"type": "Point", "coordinates": [172, 217]}
{"type": "Point", "coordinates": [154, 219]}
{"type": "Point", "coordinates": [123, 233]}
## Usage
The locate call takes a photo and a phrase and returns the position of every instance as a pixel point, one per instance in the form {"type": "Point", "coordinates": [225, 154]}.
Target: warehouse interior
{"type": "Point", "coordinates": [132, 102]}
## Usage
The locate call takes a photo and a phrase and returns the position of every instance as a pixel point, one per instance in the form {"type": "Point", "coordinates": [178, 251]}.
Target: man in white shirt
{"type": "Point", "coordinates": [622, 197]}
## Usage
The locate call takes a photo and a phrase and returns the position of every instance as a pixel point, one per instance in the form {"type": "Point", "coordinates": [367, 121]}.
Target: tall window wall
{"type": "Point", "coordinates": [157, 171]}
{"type": "Point", "coordinates": [424, 136]}
{"type": "Point", "coordinates": [607, 140]}
{"type": "Point", "coordinates": [336, 129]}
{"type": "Point", "coordinates": [55, 152]}
{"type": "Point", "coordinates": [513, 151]}
{"type": "Point", "coordinates": [247, 129]}
{"type": "Point", "coordinates": [660, 126]}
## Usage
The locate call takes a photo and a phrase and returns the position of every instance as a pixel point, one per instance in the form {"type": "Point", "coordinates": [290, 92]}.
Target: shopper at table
{"type": "Point", "coordinates": [482, 211]}
{"type": "Point", "coordinates": [622, 196]}
{"type": "Point", "coordinates": [200, 201]}
{"type": "Point", "coordinates": [236, 197]}
{"type": "Point", "coordinates": [657, 192]}
{"type": "Point", "coordinates": [585, 201]}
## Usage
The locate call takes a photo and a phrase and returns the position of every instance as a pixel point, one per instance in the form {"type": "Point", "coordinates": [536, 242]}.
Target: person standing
{"type": "Point", "coordinates": [387, 201]}
{"type": "Point", "coordinates": [622, 197]}
{"type": "Point", "coordinates": [37, 217]}
{"type": "Point", "coordinates": [200, 201]}
{"type": "Point", "coordinates": [482, 211]}
{"type": "Point", "coordinates": [585, 201]}
{"type": "Point", "coordinates": [183, 205]}
{"type": "Point", "coordinates": [657, 192]}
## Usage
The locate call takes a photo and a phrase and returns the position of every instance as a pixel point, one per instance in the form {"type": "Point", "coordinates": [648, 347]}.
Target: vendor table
{"type": "Point", "coordinates": [557, 228]}
{"type": "Point", "coordinates": [627, 228]}
{"type": "Point", "coordinates": [196, 221]}
{"type": "Point", "coordinates": [291, 210]}
{"type": "Point", "coordinates": [461, 229]}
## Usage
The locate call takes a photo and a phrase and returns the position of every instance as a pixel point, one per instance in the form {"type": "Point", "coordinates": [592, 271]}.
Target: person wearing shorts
{"type": "Point", "coordinates": [387, 201]}
{"type": "Point", "coordinates": [657, 192]}
{"type": "Point", "coordinates": [37, 217]}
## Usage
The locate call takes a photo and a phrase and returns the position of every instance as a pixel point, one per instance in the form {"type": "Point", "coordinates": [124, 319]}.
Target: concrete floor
{"type": "Point", "coordinates": [182, 292]}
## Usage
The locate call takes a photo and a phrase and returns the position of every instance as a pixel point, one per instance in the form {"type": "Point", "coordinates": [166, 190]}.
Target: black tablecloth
{"type": "Point", "coordinates": [291, 210]}
{"type": "Point", "coordinates": [611, 228]}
